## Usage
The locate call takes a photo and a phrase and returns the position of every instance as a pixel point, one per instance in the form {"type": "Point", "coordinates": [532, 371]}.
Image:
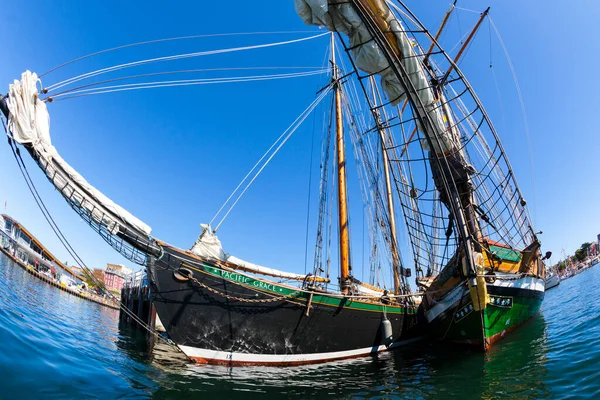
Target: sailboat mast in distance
{"type": "Point", "coordinates": [341, 176]}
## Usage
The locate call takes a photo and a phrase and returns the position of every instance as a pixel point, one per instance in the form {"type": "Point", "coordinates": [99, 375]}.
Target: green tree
{"type": "Point", "coordinates": [581, 253]}
{"type": "Point", "coordinates": [585, 246]}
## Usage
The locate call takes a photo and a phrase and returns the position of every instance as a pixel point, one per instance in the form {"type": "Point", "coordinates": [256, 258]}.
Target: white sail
{"type": "Point", "coordinates": [340, 16]}
{"type": "Point", "coordinates": [29, 123]}
{"type": "Point", "coordinates": [209, 246]}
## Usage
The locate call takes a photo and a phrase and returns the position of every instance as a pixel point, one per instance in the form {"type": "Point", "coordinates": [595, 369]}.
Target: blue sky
{"type": "Point", "coordinates": [172, 156]}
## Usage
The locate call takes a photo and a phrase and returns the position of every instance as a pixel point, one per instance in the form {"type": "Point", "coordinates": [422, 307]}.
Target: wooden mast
{"type": "Point", "coordinates": [396, 264]}
{"type": "Point", "coordinates": [465, 44]}
{"type": "Point", "coordinates": [467, 202]}
{"type": "Point", "coordinates": [439, 32]}
{"type": "Point", "coordinates": [341, 177]}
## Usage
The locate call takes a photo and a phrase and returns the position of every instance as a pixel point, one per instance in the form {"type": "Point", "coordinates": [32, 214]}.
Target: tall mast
{"type": "Point", "coordinates": [390, 199]}
{"type": "Point", "coordinates": [341, 176]}
{"type": "Point", "coordinates": [465, 44]}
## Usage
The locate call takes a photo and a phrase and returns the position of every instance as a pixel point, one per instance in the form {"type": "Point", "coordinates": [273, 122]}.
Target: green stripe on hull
{"type": "Point", "coordinates": [466, 325]}
{"type": "Point", "coordinates": [280, 290]}
{"type": "Point", "coordinates": [499, 319]}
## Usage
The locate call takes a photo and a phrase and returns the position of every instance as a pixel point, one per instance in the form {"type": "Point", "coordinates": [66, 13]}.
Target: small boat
{"type": "Point", "coordinates": [427, 155]}
{"type": "Point", "coordinates": [552, 280]}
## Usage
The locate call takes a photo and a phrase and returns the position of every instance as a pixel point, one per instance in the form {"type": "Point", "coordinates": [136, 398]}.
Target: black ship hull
{"type": "Point", "coordinates": [220, 316]}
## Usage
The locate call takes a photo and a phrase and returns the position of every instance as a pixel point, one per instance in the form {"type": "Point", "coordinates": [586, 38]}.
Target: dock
{"type": "Point", "coordinates": [22, 248]}
{"type": "Point", "coordinates": [136, 296]}
{"type": "Point", "coordinates": [86, 296]}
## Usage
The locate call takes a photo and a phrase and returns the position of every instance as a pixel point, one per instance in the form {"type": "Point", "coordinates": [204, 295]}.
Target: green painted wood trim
{"type": "Point", "coordinates": [328, 300]}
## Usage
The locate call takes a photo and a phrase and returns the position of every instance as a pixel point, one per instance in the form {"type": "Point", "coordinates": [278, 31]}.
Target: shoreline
{"type": "Point", "coordinates": [52, 282]}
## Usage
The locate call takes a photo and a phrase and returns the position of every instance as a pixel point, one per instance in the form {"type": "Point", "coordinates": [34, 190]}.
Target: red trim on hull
{"type": "Point", "coordinates": [214, 361]}
{"type": "Point", "coordinates": [495, 338]}
{"type": "Point", "coordinates": [492, 339]}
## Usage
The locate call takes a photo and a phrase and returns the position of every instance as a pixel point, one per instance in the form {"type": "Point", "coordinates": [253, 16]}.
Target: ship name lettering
{"type": "Point", "coordinates": [263, 285]}
{"type": "Point", "coordinates": [235, 277]}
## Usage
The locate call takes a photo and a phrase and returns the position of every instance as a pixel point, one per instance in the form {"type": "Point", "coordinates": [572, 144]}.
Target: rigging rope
{"type": "Point", "coordinates": [310, 163]}
{"type": "Point", "coordinates": [176, 57]}
{"type": "Point", "coordinates": [524, 113]}
{"type": "Point", "coordinates": [168, 40]}
{"type": "Point", "coordinates": [181, 82]}
{"type": "Point", "coordinates": [312, 150]}
{"type": "Point", "coordinates": [61, 237]}
{"type": "Point", "coordinates": [186, 71]}
{"type": "Point", "coordinates": [281, 140]}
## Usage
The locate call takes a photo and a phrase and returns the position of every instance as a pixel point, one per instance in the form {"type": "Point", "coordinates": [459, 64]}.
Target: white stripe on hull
{"type": "Point", "coordinates": [446, 302]}
{"type": "Point", "coordinates": [527, 282]}
{"type": "Point", "coordinates": [225, 357]}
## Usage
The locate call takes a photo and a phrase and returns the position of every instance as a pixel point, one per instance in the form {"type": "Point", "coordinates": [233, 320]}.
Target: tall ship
{"type": "Point", "coordinates": [442, 200]}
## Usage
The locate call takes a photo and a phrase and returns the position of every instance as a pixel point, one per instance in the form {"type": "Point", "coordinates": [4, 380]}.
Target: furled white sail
{"type": "Point", "coordinates": [341, 16]}
{"type": "Point", "coordinates": [29, 124]}
{"type": "Point", "coordinates": [209, 246]}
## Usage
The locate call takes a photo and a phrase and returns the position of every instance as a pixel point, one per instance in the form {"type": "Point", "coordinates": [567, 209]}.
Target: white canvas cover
{"type": "Point", "coordinates": [340, 16]}
{"type": "Point", "coordinates": [29, 123]}
{"type": "Point", "coordinates": [259, 269]}
{"type": "Point", "coordinates": [209, 246]}
{"type": "Point", "coordinates": [368, 291]}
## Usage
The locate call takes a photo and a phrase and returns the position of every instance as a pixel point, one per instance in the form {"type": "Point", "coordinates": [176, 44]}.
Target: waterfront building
{"type": "Point", "coordinates": [113, 276]}
{"type": "Point", "coordinates": [114, 279]}
{"type": "Point", "coordinates": [99, 274]}
{"type": "Point", "coordinates": [137, 279]}
{"type": "Point", "coordinates": [76, 270]}
{"type": "Point", "coordinates": [19, 243]}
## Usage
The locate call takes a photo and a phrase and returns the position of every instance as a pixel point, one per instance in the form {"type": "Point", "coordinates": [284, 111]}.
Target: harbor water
{"type": "Point", "coordinates": [55, 345]}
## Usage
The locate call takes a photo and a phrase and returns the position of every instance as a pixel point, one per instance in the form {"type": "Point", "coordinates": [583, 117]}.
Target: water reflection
{"type": "Point", "coordinates": [515, 368]}
{"type": "Point", "coordinates": [59, 346]}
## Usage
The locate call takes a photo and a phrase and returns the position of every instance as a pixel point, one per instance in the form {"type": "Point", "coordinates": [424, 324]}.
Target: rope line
{"type": "Point", "coordinates": [281, 140]}
{"type": "Point", "coordinates": [182, 82]}
{"type": "Point", "coordinates": [176, 57]}
{"type": "Point", "coordinates": [59, 234]}
{"type": "Point", "coordinates": [187, 71]}
{"type": "Point", "coordinates": [523, 112]}
{"type": "Point", "coordinates": [168, 40]}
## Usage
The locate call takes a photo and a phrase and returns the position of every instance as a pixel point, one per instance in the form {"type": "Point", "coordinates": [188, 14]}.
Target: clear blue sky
{"type": "Point", "coordinates": [172, 156]}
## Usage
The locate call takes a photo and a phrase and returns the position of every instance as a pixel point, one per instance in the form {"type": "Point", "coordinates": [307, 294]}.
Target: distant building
{"type": "Point", "coordinates": [99, 274]}
{"type": "Point", "coordinates": [119, 267]}
{"type": "Point", "coordinates": [18, 242]}
{"type": "Point", "coordinates": [114, 276]}
{"type": "Point", "coordinates": [137, 278]}
{"type": "Point", "coordinates": [593, 249]}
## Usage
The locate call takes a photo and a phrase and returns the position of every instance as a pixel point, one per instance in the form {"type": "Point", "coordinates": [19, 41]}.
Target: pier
{"type": "Point", "coordinates": [13, 243]}
{"type": "Point", "coordinates": [136, 296]}
{"type": "Point", "coordinates": [86, 296]}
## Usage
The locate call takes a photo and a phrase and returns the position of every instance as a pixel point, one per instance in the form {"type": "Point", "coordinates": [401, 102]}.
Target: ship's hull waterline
{"type": "Point", "coordinates": [512, 303]}
{"type": "Point", "coordinates": [279, 325]}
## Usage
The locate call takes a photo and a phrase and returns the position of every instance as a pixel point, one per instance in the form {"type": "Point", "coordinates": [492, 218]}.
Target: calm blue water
{"type": "Point", "coordinates": [55, 345]}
